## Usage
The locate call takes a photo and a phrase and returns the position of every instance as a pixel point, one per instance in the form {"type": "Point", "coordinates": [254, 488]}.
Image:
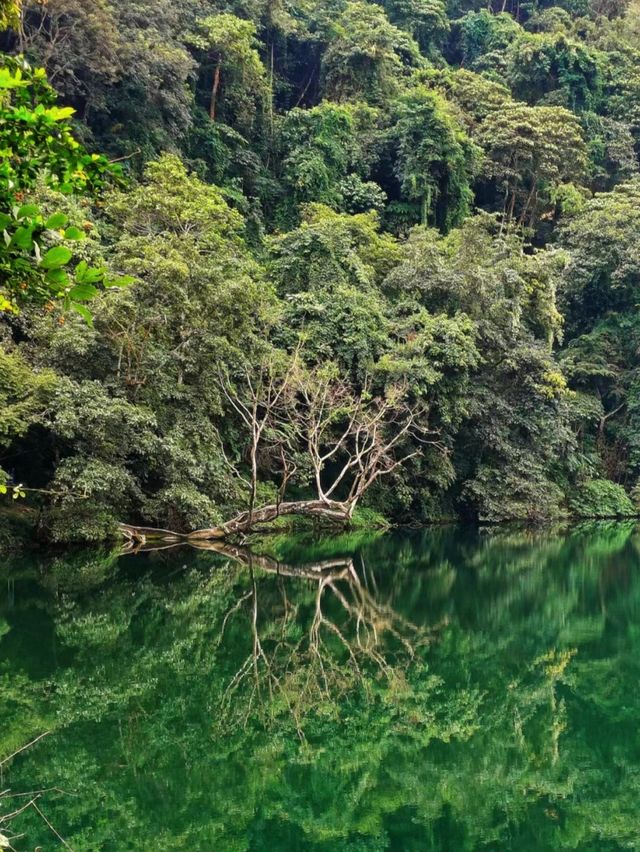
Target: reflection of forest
{"type": "Point", "coordinates": [445, 690]}
{"type": "Point", "coordinates": [350, 635]}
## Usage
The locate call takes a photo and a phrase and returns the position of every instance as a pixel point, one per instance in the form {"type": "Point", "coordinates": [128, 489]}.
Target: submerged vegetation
{"type": "Point", "coordinates": [262, 255]}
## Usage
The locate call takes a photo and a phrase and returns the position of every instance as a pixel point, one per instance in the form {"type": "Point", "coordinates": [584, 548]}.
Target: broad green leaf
{"type": "Point", "coordinates": [28, 211]}
{"type": "Point", "coordinates": [83, 292]}
{"type": "Point", "coordinates": [55, 221]}
{"type": "Point", "coordinates": [84, 312]}
{"type": "Point", "coordinates": [57, 277]}
{"type": "Point", "coordinates": [81, 270]}
{"type": "Point", "coordinates": [88, 274]}
{"type": "Point", "coordinates": [60, 113]}
{"type": "Point", "coordinates": [11, 81]}
{"type": "Point", "coordinates": [23, 238]}
{"type": "Point", "coordinates": [73, 233]}
{"type": "Point", "coordinates": [56, 257]}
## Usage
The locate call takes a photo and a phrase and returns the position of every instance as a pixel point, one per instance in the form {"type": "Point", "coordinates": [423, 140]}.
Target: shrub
{"type": "Point", "coordinates": [601, 498]}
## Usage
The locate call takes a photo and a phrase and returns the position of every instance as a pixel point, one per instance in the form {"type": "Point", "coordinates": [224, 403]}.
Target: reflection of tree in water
{"type": "Point", "coordinates": [479, 691]}
{"type": "Point", "coordinates": [346, 638]}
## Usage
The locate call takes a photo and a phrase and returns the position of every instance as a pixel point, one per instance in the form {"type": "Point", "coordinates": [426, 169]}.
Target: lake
{"type": "Point", "coordinates": [449, 689]}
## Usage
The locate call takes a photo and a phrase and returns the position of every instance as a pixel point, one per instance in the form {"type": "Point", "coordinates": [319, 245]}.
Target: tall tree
{"type": "Point", "coordinates": [530, 152]}
{"type": "Point", "coordinates": [238, 78]}
{"type": "Point", "coordinates": [436, 160]}
{"type": "Point", "coordinates": [366, 56]}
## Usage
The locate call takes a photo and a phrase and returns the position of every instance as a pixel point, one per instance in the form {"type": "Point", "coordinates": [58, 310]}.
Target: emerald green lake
{"type": "Point", "coordinates": [452, 689]}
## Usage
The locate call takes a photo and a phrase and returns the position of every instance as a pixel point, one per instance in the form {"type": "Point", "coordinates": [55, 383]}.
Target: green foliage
{"type": "Point", "coordinates": [331, 246]}
{"type": "Point", "coordinates": [325, 153]}
{"type": "Point", "coordinates": [9, 13]}
{"type": "Point", "coordinates": [436, 161]}
{"type": "Point", "coordinates": [365, 518]}
{"type": "Point", "coordinates": [603, 246]}
{"type": "Point", "coordinates": [34, 267]}
{"type": "Point", "coordinates": [553, 69]}
{"type": "Point", "coordinates": [425, 20]}
{"type": "Point", "coordinates": [320, 147]}
{"type": "Point", "coordinates": [600, 498]}
{"type": "Point", "coordinates": [475, 95]}
{"type": "Point", "coordinates": [516, 391]}
{"type": "Point", "coordinates": [611, 149]}
{"type": "Point", "coordinates": [531, 151]}
{"type": "Point", "coordinates": [141, 410]}
{"type": "Point", "coordinates": [24, 395]}
{"type": "Point", "coordinates": [280, 157]}
{"type": "Point", "coordinates": [329, 270]}
{"type": "Point", "coordinates": [599, 297]}
{"type": "Point", "coordinates": [36, 137]}
{"type": "Point", "coordinates": [37, 144]}
{"type": "Point", "coordinates": [481, 39]}
{"type": "Point", "coordinates": [79, 43]}
{"type": "Point", "coordinates": [236, 68]}
{"type": "Point", "coordinates": [123, 64]}
{"type": "Point", "coordinates": [366, 55]}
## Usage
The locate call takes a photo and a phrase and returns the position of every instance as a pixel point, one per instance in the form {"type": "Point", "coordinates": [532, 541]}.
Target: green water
{"type": "Point", "coordinates": [454, 689]}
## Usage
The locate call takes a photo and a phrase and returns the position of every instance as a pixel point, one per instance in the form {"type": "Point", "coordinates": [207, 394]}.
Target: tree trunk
{"type": "Point", "coordinates": [271, 94]}
{"type": "Point", "coordinates": [214, 91]}
{"type": "Point", "coordinates": [426, 206]}
{"type": "Point", "coordinates": [330, 510]}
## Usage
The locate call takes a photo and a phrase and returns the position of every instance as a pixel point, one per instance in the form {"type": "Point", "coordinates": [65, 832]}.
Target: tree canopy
{"type": "Point", "coordinates": [434, 203]}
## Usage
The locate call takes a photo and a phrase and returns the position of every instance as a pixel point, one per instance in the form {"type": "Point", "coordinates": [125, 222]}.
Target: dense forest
{"type": "Point", "coordinates": [347, 259]}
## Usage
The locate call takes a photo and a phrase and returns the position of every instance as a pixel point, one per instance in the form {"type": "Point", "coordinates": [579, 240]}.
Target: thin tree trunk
{"type": "Point", "coordinates": [530, 199]}
{"type": "Point", "coordinates": [512, 206]}
{"type": "Point", "coordinates": [426, 206]}
{"type": "Point", "coordinates": [271, 93]}
{"type": "Point", "coordinates": [214, 90]}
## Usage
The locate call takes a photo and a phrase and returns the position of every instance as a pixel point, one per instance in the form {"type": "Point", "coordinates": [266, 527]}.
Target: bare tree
{"type": "Point", "coordinates": [261, 406]}
{"type": "Point", "coordinates": [348, 440]}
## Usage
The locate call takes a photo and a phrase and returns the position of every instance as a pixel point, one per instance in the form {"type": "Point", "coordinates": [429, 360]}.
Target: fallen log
{"type": "Point", "coordinates": [329, 510]}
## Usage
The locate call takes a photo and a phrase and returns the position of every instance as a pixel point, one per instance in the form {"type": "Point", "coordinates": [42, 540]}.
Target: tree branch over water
{"type": "Point", "coordinates": [313, 420]}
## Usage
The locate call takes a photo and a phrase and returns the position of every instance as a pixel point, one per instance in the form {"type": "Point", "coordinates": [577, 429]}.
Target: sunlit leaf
{"type": "Point", "coordinates": [73, 233]}
{"type": "Point", "coordinates": [56, 257]}
{"type": "Point", "coordinates": [57, 220]}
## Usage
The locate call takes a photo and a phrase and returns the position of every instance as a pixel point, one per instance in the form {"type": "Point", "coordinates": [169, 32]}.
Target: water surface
{"type": "Point", "coordinates": [454, 689]}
